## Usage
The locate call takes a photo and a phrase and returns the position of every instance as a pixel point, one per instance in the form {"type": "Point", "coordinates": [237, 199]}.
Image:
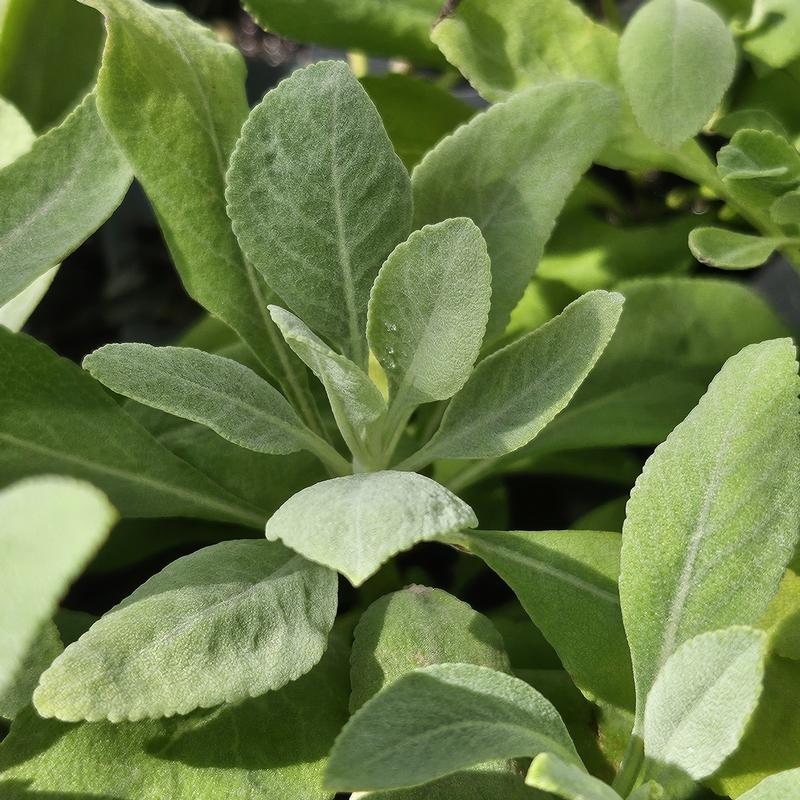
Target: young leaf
{"type": "Point", "coordinates": [718, 247]}
{"type": "Point", "coordinates": [702, 699]}
{"type": "Point", "coordinates": [753, 155]}
{"type": "Point", "coordinates": [782, 786]}
{"type": "Point", "coordinates": [550, 774]}
{"type": "Point", "coordinates": [355, 524]}
{"type": "Point", "coordinates": [515, 392]}
{"type": "Point", "coordinates": [786, 209]}
{"type": "Point", "coordinates": [51, 527]}
{"type": "Point", "coordinates": [567, 583]}
{"type": "Point", "coordinates": [217, 392]}
{"type": "Point", "coordinates": [677, 59]}
{"type": "Point", "coordinates": [418, 627]}
{"type": "Point", "coordinates": [428, 311]}
{"type": "Point", "coordinates": [273, 746]}
{"type": "Point", "coordinates": [89, 436]}
{"type": "Point", "coordinates": [510, 169]}
{"type": "Point", "coordinates": [318, 199]}
{"type": "Point", "coordinates": [442, 719]}
{"type": "Point", "coordinates": [231, 621]}
{"type": "Point", "coordinates": [56, 195]}
{"type": "Point", "coordinates": [773, 32]}
{"type": "Point", "coordinates": [355, 400]}
{"type": "Point", "coordinates": [712, 521]}
{"type": "Point", "coordinates": [172, 96]}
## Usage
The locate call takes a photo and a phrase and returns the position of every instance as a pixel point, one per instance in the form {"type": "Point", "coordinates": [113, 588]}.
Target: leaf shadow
{"type": "Point", "coordinates": [10, 790]}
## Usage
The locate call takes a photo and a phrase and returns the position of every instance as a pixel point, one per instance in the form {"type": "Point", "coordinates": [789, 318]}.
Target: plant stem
{"type": "Point", "coordinates": [631, 767]}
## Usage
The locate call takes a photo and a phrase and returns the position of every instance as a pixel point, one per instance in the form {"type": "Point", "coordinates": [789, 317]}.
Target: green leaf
{"type": "Point", "coordinates": [231, 621]}
{"type": "Point", "coordinates": [45, 69]}
{"type": "Point", "coordinates": [510, 169]}
{"type": "Point", "coordinates": [786, 209]}
{"type": "Point", "coordinates": [677, 59]}
{"type": "Point", "coordinates": [89, 436]}
{"type": "Point", "coordinates": [648, 791]}
{"type": "Point", "coordinates": [399, 29]}
{"type": "Point", "coordinates": [172, 96]}
{"type": "Point", "coordinates": [439, 720]}
{"type": "Point", "coordinates": [773, 32]}
{"type": "Point", "coordinates": [217, 392]}
{"type": "Point", "coordinates": [718, 247]}
{"type": "Point", "coordinates": [273, 746]}
{"type": "Point", "coordinates": [515, 392]}
{"type": "Point", "coordinates": [717, 503]}
{"type": "Point", "coordinates": [415, 112]}
{"type": "Point", "coordinates": [702, 699]}
{"type": "Point", "coordinates": [428, 311]}
{"type": "Point", "coordinates": [318, 199]}
{"type": "Point", "coordinates": [355, 524]}
{"type": "Point", "coordinates": [755, 118]}
{"type": "Point", "coordinates": [783, 786]}
{"type": "Point", "coordinates": [550, 774]}
{"type": "Point", "coordinates": [56, 195]}
{"type": "Point", "coordinates": [355, 400]}
{"type": "Point", "coordinates": [418, 627]}
{"type": "Point", "coordinates": [16, 134]}
{"type": "Point", "coordinates": [674, 335]}
{"type": "Point", "coordinates": [567, 583]}
{"type": "Point", "coordinates": [51, 528]}
{"type": "Point", "coordinates": [761, 154]}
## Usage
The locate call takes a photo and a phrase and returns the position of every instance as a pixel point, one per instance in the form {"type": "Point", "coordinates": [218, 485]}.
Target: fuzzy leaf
{"type": "Point", "coordinates": [712, 521]}
{"type": "Point", "coordinates": [782, 786]}
{"type": "Point", "coordinates": [510, 169]}
{"type": "Point", "coordinates": [428, 311]}
{"type": "Point", "coordinates": [718, 247]}
{"type": "Point", "coordinates": [677, 59]}
{"type": "Point", "coordinates": [418, 627]}
{"type": "Point", "coordinates": [442, 719]}
{"type": "Point", "coordinates": [231, 621]}
{"type": "Point", "coordinates": [318, 199]}
{"type": "Point", "coordinates": [702, 699]}
{"type": "Point", "coordinates": [550, 774]}
{"type": "Point", "coordinates": [568, 575]}
{"type": "Point", "coordinates": [89, 436]}
{"type": "Point", "coordinates": [759, 155]}
{"type": "Point", "coordinates": [50, 529]}
{"type": "Point", "coordinates": [515, 392]}
{"type": "Point", "coordinates": [355, 524]}
{"type": "Point", "coordinates": [56, 195]}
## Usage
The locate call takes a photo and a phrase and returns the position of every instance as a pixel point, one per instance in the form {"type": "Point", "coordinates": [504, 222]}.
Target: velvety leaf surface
{"type": "Point", "coordinates": [418, 627]}
{"type": "Point", "coordinates": [441, 719]}
{"type": "Point", "coordinates": [56, 195]}
{"type": "Point", "coordinates": [510, 169]}
{"type": "Point", "coordinates": [702, 699]}
{"type": "Point", "coordinates": [567, 583]}
{"type": "Point", "coordinates": [718, 247]}
{"type": "Point", "coordinates": [254, 749]}
{"type": "Point", "coordinates": [550, 774]}
{"type": "Point", "coordinates": [712, 521]}
{"type": "Point", "coordinates": [513, 393]}
{"type": "Point", "coordinates": [231, 621]}
{"type": "Point", "coordinates": [783, 786]}
{"type": "Point", "coordinates": [89, 436]}
{"type": "Point", "coordinates": [428, 311]}
{"type": "Point", "coordinates": [399, 29]}
{"type": "Point", "coordinates": [677, 58]}
{"type": "Point", "coordinates": [318, 199]}
{"type": "Point", "coordinates": [49, 529]}
{"type": "Point", "coordinates": [356, 523]}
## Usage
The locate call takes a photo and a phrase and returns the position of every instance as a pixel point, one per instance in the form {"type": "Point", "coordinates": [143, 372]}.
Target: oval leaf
{"type": "Point", "coordinates": [550, 774]}
{"type": "Point", "coordinates": [718, 247]}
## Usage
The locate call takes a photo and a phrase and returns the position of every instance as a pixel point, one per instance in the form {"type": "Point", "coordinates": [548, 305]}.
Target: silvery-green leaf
{"type": "Point", "coordinates": [355, 400]}
{"type": "Point", "coordinates": [510, 169]}
{"type": "Point", "coordinates": [513, 393]}
{"type": "Point", "coordinates": [712, 521]}
{"type": "Point", "coordinates": [228, 622]}
{"type": "Point", "coordinates": [318, 199]}
{"type": "Point", "coordinates": [428, 311]}
{"type": "Point", "coordinates": [677, 59]}
{"type": "Point", "coordinates": [439, 720]}
{"type": "Point", "coordinates": [719, 247]}
{"type": "Point", "coordinates": [355, 524]}
{"type": "Point", "coordinates": [418, 627]}
{"type": "Point", "coordinates": [49, 529]}
{"type": "Point", "coordinates": [567, 583]}
{"type": "Point", "coordinates": [56, 195]}
{"type": "Point", "coordinates": [272, 746]}
{"type": "Point", "coordinates": [702, 699]}
{"type": "Point", "coordinates": [550, 774]}
{"type": "Point", "coordinates": [89, 436]}
{"type": "Point", "coordinates": [781, 786]}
